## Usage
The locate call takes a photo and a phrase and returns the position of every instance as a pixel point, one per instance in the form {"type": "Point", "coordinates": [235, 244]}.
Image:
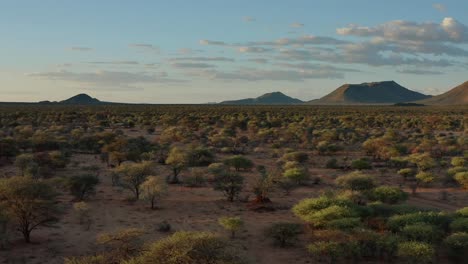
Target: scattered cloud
{"type": "Point", "coordinates": [186, 51]}
{"type": "Point", "coordinates": [439, 7]}
{"type": "Point", "coordinates": [251, 74]}
{"type": "Point", "coordinates": [259, 60]}
{"type": "Point", "coordinates": [106, 78]}
{"type": "Point", "coordinates": [129, 62]}
{"type": "Point", "coordinates": [296, 25]}
{"type": "Point", "coordinates": [213, 42]}
{"type": "Point", "coordinates": [420, 72]}
{"type": "Point", "coordinates": [145, 47]}
{"type": "Point", "coordinates": [253, 49]}
{"type": "Point", "coordinates": [198, 65]}
{"type": "Point", "coordinates": [80, 49]}
{"type": "Point", "coordinates": [311, 66]}
{"type": "Point", "coordinates": [219, 59]}
{"type": "Point", "coordinates": [248, 19]}
{"type": "Point", "coordinates": [449, 30]}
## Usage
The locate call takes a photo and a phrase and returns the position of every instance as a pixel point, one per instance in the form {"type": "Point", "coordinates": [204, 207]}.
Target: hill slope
{"type": "Point", "coordinates": [388, 92]}
{"type": "Point", "coordinates": [275, 98]}
{"type": "Point", "coordinates": [456, 96]}
{"type": "Point", "coordinates": [81, 99]}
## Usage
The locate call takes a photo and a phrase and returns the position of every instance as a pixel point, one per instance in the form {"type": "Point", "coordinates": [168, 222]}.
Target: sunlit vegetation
{"type": "Point", "coordinates": [297, 183]}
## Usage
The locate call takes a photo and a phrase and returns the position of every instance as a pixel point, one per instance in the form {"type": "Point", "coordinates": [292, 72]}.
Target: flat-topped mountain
{"type": "Point", "coordinates": [81, 99]}
{"type": "Point", "coordinates": [456, 96]}
{"type": "Point", "coordinates": [275, 98]}
{"type": "Point", "coordinates": [387, 92]}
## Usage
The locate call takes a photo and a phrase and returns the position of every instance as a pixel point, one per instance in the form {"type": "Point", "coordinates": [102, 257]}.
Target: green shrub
{"type": "Point", "coordinates": [416, 252]}
{"type": "Point", "coordinates": [327, 249]}
{"type": "Point", "coordinates": [322, 217]}
{"type": "Point", "coordinates": [398, 222]}
{"type": "Point", "coordinates": [462, 212]}
{"type": "Point", "coordinates": [421, 232]}
{"type": "Point", "coordinates": [361, 164]}
{"type": "Point", "coordinates": [457, 245]}
{"type": "Point", "coordinates": [356, 181]}
{"type": "Point", "coordinates": [462, 179]}
{"type": "Point", "coordinates": [458, 161]}
{"type": "Point", "coordinates": [190, 248]}
{"type": "Point", "coordinates": [388, 194]}
{"type": "Point", "coordinates": [347, 223]}
{"type": "Point", "coordinates": [459, 225]}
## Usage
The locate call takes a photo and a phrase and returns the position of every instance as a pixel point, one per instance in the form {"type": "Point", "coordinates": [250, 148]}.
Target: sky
{"type": "Point", "coordinates": [210, 50]}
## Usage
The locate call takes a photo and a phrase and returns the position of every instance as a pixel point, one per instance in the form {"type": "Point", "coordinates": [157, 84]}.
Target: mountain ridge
{"type": "Point", "coordinates": [273, 98]}
{"type": "Point", "coordinates": [455, 96]}
{"type": "Point", "coordinates": [385, 92]}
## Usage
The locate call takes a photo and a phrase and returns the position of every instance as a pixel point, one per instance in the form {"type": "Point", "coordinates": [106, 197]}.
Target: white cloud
{"type": "Point", "coordinates": [449, 30]}
{"type": "Point", "coordinates": [439, 7]}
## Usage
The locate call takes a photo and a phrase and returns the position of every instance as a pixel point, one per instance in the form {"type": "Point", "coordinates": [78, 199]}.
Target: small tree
{"type": "Point", "coordinates": [284, 234]}
{"type": "Point", "coordinates": [231, 224]}
{"type": "Point", "coordinates": [296, 175]}
{"type": "Point", "coordinates": [407, 173]}
{"type": "Point", "coordinates": [28, 203]}
{"type": "Point", "coordinates": [133, 175]}
{"type": "Point", "coordinates": [421, 178]}
{"type": "Point", "coordinates": [422, 160]}
{"type": "Point", "coordinates": [153, 189]}
{"type": "Point", "coordinates": [82, 186]}
{"type": "Point", "coordinates": [239, 162]}
{"type": "Point", "coordinates": [230, 183]}
{"type": "Point", "coordinates": [264, 185]}
{"type": "Point", "coordinates": [178, 160]}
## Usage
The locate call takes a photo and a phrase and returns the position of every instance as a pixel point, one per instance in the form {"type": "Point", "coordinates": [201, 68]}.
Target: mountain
{"type": "Point", "coordinates": [81, 99]}
{"type": "Point", "coordinates": [275, 98]}
{"type": "Point", "coordinates": [387, 92]}
{"type": "Point", "coordinates": [456, 96]}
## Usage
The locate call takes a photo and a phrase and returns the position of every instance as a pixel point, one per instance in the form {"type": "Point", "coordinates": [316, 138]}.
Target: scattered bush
{"type": "Point", "coordinates": [284, 234]}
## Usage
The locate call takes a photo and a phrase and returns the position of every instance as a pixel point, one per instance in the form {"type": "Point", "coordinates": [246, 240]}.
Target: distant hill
{"type": "Point", "coordinates": [387, 92]}
{"type": "Point", "coordinates": [456, 96]}
{"type": "Point", "coordinates": [275, 98]}
{"type": "Point", "coordinates": [81, 99]}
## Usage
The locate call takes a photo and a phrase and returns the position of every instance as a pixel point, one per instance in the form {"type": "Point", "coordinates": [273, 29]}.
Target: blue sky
{"type": "Point", "coordinates": [204, 51]}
